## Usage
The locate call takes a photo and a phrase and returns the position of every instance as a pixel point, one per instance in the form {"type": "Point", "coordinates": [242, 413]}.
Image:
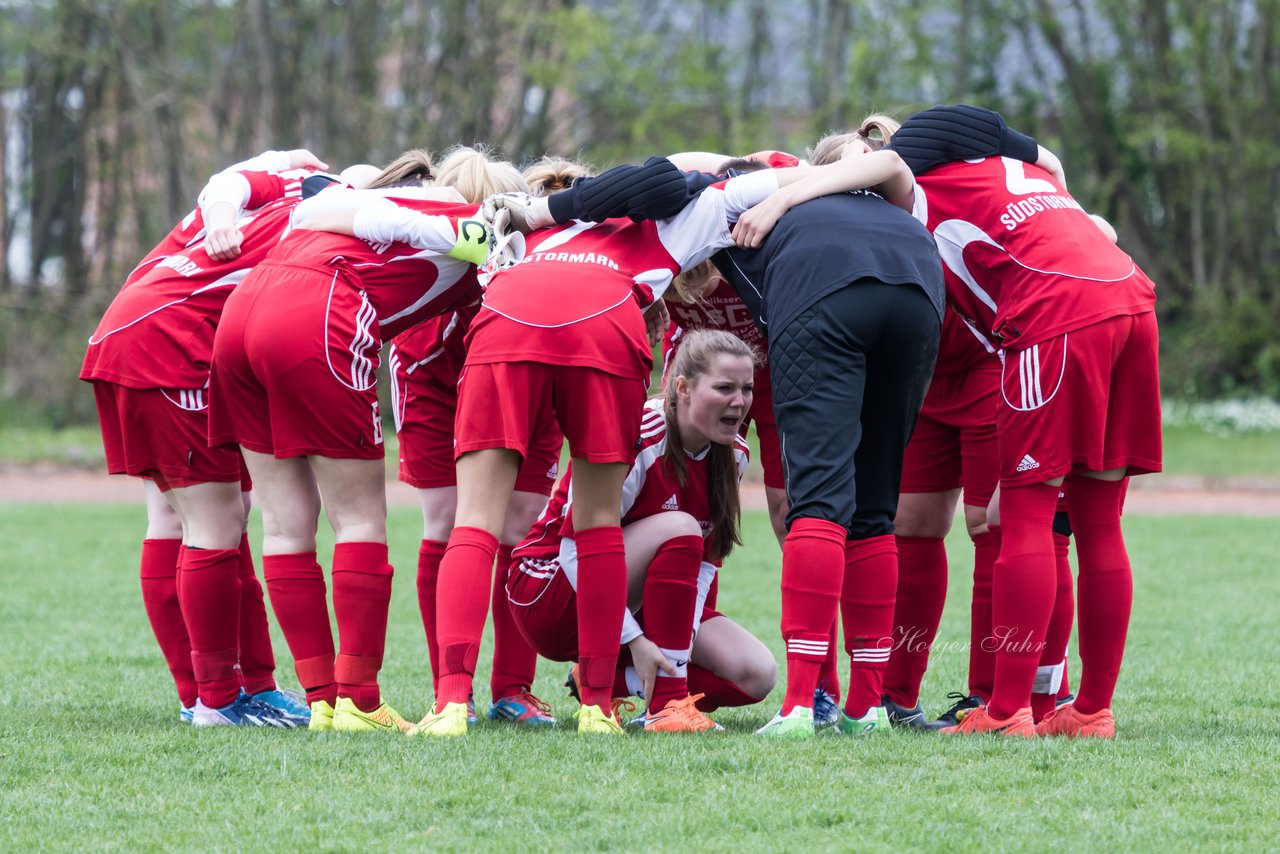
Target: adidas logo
{"type": "Point", "coordinates": [1028, 463]}
{"type": "Point", "coordinates": [551, 472]}
{"type": "Point", "coordinates": [671, 504]}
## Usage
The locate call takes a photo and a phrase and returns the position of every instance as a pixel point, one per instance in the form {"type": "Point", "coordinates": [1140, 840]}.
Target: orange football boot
{"type": "Point", "coordinates": [1067, 721]}
{"type": "Point", "coordinates": [680, 716]}
{"type": "Point", "coordinates": [1018, 725]}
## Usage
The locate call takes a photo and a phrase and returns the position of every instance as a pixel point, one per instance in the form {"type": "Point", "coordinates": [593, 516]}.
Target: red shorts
{"type": "Point", "coordinates": [954, 444]}
{"type": "Point", "coordinates": [425, 404]}
{"type": "Point", "coordinates": [545, 607]}
{"type": "Point", "coordinates": [162, 435]}
{"type": "Point", "coordinates": [761, 413]}
{"type": "Point", "coordinates": [1088, 400]}
{"type": "Point", "coordinates": [515, 404]}
{"type": "Point", "coordinates": [295, 364]}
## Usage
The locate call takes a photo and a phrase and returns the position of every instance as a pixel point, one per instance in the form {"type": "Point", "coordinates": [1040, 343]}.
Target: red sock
{"type": "Point", "coordinates": [670, 594]}
{"type": "Point", "coordinates": [716, 691]}
{"type": "Point", "coordinates": [866, 607]}
{"type": "Point", "coordinates": [210, 600]}
{"type": "Point", "coordinates": [1022, 592]}
{"type": "Point", "coordinates": [430, 553]}
{"type": "Point", "coordinates": [159, 576]}
{"type": "Point", "coordinates": [829, 675]}
{"type": "Point", "coordinates": [1105, 589]}
{"type": "Point", "coordinates": [1044, 694]}
{"type": "Point", "coordinates": [1064, 689]}
{"type": "Point", "coordinates": [917, 610]}
{"type": "Point", "coordinates": [257, 659]}
{"type": "Point", "coordinates": [462, 603]}
{"type": "Point", "coordinates": [295, 585]}
{"type": "Point", "coordinates": [514, 661]}
{"type": "Point", "coordinates": [812, 572]}
{"type": "Point", "coordinates": [982, 653]}
{"type": "Point", "coordinates": [361, 599]}
{"type": "Point", "coordinates": [602, 597]}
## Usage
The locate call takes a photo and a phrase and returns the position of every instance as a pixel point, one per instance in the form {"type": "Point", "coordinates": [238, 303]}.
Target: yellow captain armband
{"type": "Point", "coordinates": [473, 242]}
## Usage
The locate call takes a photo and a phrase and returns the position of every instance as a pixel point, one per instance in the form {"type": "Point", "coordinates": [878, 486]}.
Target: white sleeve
{"type": "Point", "coordinates": [702, 228]}
{"type": "Point", "coordinates": [919, 204]}
{"type": "Point", "coordinates": [630, 628]}
{"type": "Point", "coordinates": [383, 221]}
{"type": "Point", "coordinates": [706, 575]}
{"type": "Point", "coordinates": [267, 161]}
{"type": "Point", "coordinates": [229, 187]}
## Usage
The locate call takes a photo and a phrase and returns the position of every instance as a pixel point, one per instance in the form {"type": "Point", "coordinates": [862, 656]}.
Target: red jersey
{"type": "Point", "coordinates": [158, 331]}
{"type": "Point", "coordinates": [721, 309]}
{"type": "Point", "coordinates": [651, 488]}
{"type": "Point", "coordinates": [601, 274]}
{"type": "Point", "coordinates": [434, 346]}
{"type": "Point", "coordinates": [190, 229]}
{"type": "Point", "coordinates": [404, 283]}
{"type": "Point", "coordinates": [962, 346]}
{"type": "Point", "coordinates": [1026, 262]}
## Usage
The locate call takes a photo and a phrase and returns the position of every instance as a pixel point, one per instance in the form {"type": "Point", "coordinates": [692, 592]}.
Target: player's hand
{"type": "Point", "coordinates": [525, 213]}
{"type": "Point", "coordinates": [656, 321]}
{"type": "Point", "coordinates": [506, 245]}
{"type": "Point", "coordinates": [222, 243]}
{"type": "Point", "coordinates": [648, 660]}
{"type": "Point", "coordinates": [300, 158]}
{"type": "Point", "coordinates": [754, 226]}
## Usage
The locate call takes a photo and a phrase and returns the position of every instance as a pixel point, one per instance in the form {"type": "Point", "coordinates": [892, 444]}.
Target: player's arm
{"type": "Point", "coordinates": [1105, 227]}
{"type": "Point", "coordinates": [654, 190]}
{"type": "Point", "coordinates": [699, 161]}
{"type": "Point", "coordinates": [883, 172]}
{"type": "Point", "coordinates": [379, 220]}
{"type": "Point", "coordinates": [946, 134]}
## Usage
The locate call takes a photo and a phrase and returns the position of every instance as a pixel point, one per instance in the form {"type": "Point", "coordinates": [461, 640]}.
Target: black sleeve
{"type": "Point", "coordinates": [656, 190]}
{"type": "Point", "coordinates": [946, 134]}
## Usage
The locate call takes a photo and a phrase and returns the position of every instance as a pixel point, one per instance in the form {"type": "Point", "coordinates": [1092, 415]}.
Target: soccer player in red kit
{"type": "Point", "coordinates": [679, 517]}
{"type": "Point", "coordinates": [149, 362]}
{"type": "Point", "coordinates": [1079, 398]}
{"type": "Point", "coordinates": [561, 337]}
{"type": "Point", "coordinates": [294, 385]}
{"type": "Point", "coordinates": [718, 306]}
{"type": "Point", "coordinates": [425, 363]}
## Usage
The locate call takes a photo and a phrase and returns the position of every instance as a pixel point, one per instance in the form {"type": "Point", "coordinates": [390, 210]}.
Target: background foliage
{"type": "Point", "coordinates": [113, 114]}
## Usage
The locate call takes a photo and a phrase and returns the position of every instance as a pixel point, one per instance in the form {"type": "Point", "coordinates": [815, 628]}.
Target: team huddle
{"type": "Point", "coordinates": [914, 314]}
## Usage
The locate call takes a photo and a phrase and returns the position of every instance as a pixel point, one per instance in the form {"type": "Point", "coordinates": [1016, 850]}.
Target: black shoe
{"type": "Point", "coordinates": [572, 683]}
{"type": "Point", "coordinates": [901, 716]}
{"type": "Point", "coordinates": [964, 703]}
{"type": "Point", "coordinates": [1059, 703]}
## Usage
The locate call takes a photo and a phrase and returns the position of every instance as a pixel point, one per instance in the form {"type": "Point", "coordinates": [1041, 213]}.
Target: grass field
{"type": "Point", "coordinates": [1189, 449]}
{"type": "Point", "coordinates": [92, 756]}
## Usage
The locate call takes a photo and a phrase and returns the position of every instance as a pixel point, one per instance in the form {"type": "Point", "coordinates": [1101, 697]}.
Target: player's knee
{"type": "Point", "coordinates": [759, 673]}
{"type": "Point", "coordinates": [975, 520]}
{"type": "Point", "coordinates": [677, 524]}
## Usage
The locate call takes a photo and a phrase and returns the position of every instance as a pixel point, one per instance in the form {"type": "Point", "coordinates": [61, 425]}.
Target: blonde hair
{"type": "Point", "coordinates": [551, 174]}
{"type": "Point", "coordinates": [475, 174]}
{"type": "Point", "coordinates": [690, 286]}
{"type": "Point", "coordinates": [694, 358]}
{"type": "Point", "coordinates": [411, 169]}
{"type": "Point", "coordinates": [876, 130]}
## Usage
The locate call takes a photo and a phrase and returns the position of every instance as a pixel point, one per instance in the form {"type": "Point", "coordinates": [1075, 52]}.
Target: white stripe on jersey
{"type": "Point", "coordinates": [361, 365]}
{"type": "Point", "coordinates": [952, 237]}
{"type": "Point", "coordinates": [230, 280]}
{"type": "Point", "coordinates": [398, 391]}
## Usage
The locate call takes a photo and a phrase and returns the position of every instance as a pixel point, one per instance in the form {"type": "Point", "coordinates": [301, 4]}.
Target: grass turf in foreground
{"type": "Point", "coordinates": [91, 754]}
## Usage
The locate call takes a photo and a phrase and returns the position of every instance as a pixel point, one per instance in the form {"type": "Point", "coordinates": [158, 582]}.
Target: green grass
{"type": "Point", "coordinates": [1189, 450]}
{"type": "Point", "coordinates": [92, 756]}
